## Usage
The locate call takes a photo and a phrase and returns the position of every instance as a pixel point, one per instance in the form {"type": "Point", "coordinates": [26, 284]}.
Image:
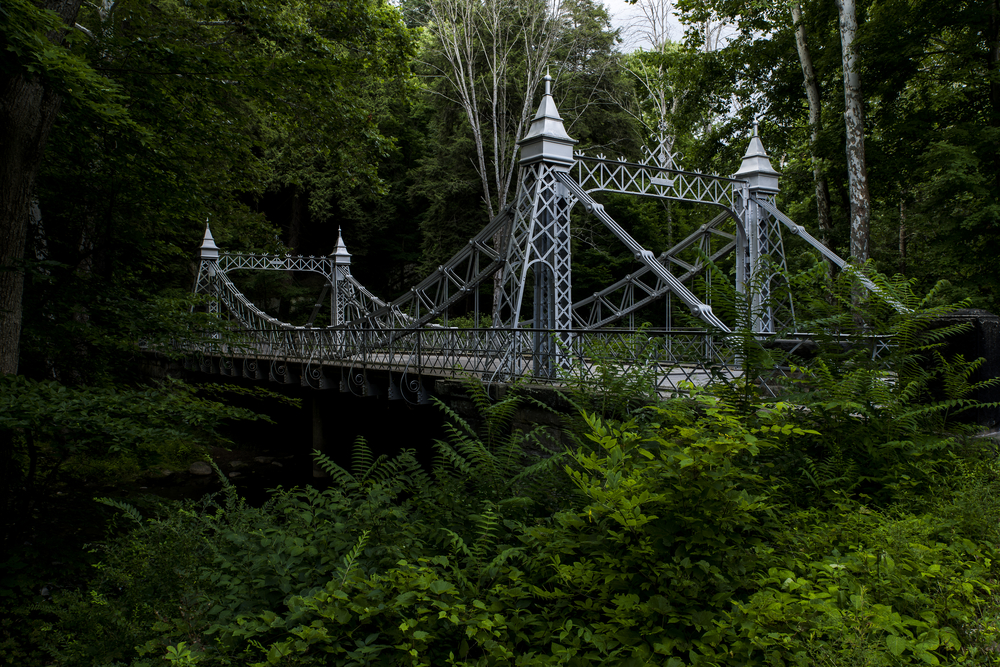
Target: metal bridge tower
{"type": "Point", "coordinates": [761, 251]}
{"type": "Point", "coordinates": [539, 239]}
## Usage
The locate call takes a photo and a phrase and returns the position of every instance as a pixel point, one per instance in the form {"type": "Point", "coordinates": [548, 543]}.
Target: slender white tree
{"type": "Point", "coordinates": [480, 41]}
{"type": "Point", "coordinates": [854, 121]}
{"type": "Point", "coordinates": [815, 122]}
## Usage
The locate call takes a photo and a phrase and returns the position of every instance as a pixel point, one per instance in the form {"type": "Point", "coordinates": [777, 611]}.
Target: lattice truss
{"type": "Point", "coordinates": [740, 228]}
{"type": "Point", "coordinates": [354, 305]}
{"type": "Point", "coordinates": [536, 254]}
{"type": "Point", "coordinates": [599, 174]}
{"type": "Point", "coordinates": [350, 299]}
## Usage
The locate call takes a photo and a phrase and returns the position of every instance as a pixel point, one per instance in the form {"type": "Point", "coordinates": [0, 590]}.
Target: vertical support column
{"type": "Point", "coordinates": [341, 270]}
{"type": "Point", "coordinates": [208, 266]}
{"type": "Point", "coordinates": [318, 438]}
{"type": "Point", "coordinates": [760, 233]}
{"type": "Point", "coordinates": [540, 240]}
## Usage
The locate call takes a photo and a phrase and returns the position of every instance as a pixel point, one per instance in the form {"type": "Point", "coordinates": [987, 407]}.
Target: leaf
{"type": "Point", "coordinates": [896, 644]}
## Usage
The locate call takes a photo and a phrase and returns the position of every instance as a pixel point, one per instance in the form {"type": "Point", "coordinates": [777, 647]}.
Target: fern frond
{"type": "Point", "coordinates": [341, 477]}
{"type": "Point", "coordinates": [352, 557]}
{"type": "Point", "coordinates": [130, 511]}
{"type": "Point", "coordinates": [362, 458]}
{"type": "Point", "coordinates": [453, 459]}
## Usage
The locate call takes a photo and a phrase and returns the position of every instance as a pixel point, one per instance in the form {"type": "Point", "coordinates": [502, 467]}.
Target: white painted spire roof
{"type": "Point", "coordinates": [208, 247]}
{"type": "Point", "coordinates": [755, 161]}
{"type": "Point", "coordinates": [547, 121]}
{"type": "Point", "coordinates": [340, 254]}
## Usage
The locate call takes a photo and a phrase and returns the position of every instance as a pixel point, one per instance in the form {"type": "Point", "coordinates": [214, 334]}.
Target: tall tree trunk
{"type": "Point", "coordinates": [993, 41]}
{"type": "Point", "coordinates": [993, 64]}
{"type": "Point", "coordinates": [854, 121]}
{"type": "Point", "coordinates": [294, 243]}
{"type": "Point", "coordinates": [815, 126]}
{"type": "Point", "coordinates": [27, 111]}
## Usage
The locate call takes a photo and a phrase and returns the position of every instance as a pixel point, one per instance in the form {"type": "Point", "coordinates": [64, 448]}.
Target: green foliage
{"type": "Point", "coordinates": [493, 457]}
{"type": "Point", "coordinates": [28, 51]}
{"type": "Point", "coordinates": [612, 375]}
{"type": "Point", "coordinates": [885, 398]}
{"type": "Point", "coordinates": [847, 524]}
{"type": "Point", "coordinates": [680, 548]}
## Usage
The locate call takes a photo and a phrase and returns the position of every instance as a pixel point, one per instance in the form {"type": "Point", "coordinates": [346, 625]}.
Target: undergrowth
{"type": "Point", "coordinates": [852, 522]}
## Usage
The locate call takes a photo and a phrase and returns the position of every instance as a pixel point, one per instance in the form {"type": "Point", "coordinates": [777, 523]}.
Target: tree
{"type": "Point", "coordinates": [448, 186]}
{"type": "Point", "coordinates": [485, 47]}
{"type": "Point", "coordinates": [854, 121]}
{"type": "Point", "coordinates": [29, 103]}
{"type": "Point", "coordinates": [815, 123]}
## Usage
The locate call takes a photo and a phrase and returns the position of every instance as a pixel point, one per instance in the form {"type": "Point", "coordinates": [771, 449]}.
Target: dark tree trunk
{"type": "Point", "coordinates": [294, 241]}
{"type": "Point", "coordinates": [27, 111]}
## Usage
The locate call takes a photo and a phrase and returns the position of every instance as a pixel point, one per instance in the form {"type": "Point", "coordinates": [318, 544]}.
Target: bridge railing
{"type": "Point", "coordinates": [663, 360]}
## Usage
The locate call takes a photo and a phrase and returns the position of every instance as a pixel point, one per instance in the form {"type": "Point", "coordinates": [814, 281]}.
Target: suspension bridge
{"type": "Point", "coordinates": [521, 263]}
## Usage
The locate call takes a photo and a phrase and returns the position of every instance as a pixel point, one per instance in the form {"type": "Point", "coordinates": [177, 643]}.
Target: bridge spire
{"type": "Point", "coordinates": [341, 258]}
{"type": "Point", "coordinates": [208, 249]}
{"type": "Point", "coordinates": [547, 139]}
{"type": "Point", "coordinates": [756, 167]}
{"type": "Point", "coordinates": [208, 266]}
{"type": "Point", "coordinates": [762, 247]}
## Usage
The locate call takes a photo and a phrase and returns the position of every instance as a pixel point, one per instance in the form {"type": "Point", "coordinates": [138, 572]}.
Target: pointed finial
{"type": "Point", "coordinates": [340, 255]}
{"type": "Point", "coordinates": [208, 249]}
{"type": "Point", "coordinates": [546, 138]}
{"type": "Point", "coordinates": [756, 166]}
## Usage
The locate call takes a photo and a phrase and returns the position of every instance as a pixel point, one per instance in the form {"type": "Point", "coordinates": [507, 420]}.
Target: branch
{"type": "Point", "coordinates": [84, 31]}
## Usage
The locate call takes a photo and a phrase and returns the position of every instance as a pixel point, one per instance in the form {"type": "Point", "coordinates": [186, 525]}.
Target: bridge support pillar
{"type": "Point", "coordinates": [538, 242]}
{"type": "Point", "coordinates": [318, 437]}
{"type": "Point", "coordinates": [208, 266]}
{"type": "Point", "coordinates": [759, 247]}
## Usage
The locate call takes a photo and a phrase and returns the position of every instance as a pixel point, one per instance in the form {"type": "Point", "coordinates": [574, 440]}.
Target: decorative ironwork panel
{"type": "Point", "coordinates": [599, 174]}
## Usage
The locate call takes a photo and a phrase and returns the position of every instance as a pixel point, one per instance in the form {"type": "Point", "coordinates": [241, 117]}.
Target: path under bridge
{"type": "Point", "coordinates": [537, 331]}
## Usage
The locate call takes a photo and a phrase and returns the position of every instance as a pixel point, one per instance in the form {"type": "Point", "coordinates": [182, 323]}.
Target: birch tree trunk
{"type": "Point", "coordinates": [479, 41]}
{"type": "Point", "coordinates": [27, 111]}
{"type": "Point", "coordinates": [993, 66]}
{"type": "Point", "coordinates": [854, 121]}
{"type": "Point", "coordinates": [815, 126]}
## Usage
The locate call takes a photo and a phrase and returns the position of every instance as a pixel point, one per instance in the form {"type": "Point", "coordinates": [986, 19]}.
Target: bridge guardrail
{"type": "Point", "coordinates": [665, 358]}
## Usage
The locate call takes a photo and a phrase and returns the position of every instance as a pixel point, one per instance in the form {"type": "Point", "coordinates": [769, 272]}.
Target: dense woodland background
{"type": "Point", "coordinates": [853, 522]}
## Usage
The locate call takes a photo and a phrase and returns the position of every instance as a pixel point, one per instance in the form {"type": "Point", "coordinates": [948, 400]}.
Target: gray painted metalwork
{"type": "Point", "coordinates": [409, 337]}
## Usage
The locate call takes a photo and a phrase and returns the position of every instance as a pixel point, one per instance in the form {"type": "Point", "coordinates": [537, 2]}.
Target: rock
{"type": "Point", "coordinates": [165, 472]}
{"type": "Point", "coordinates": [234, 474]}
{"type": "Point", "coordinates": [275, 463]}
{"type": "Point", "coordinates": [237, 464]}
{"type": "Point", "coordinates": [200, 468]}
{"type": "Point", "coordinates": [263, 459]}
